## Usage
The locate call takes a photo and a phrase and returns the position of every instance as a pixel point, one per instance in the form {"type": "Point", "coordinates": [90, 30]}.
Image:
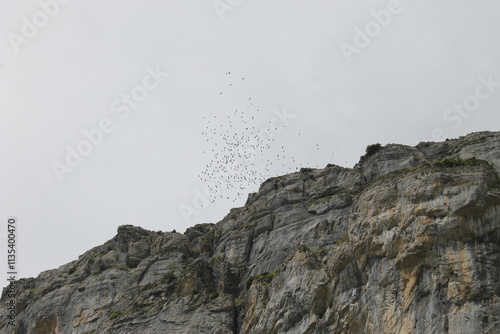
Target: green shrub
{"type": "Point", "coordinates": [372, 149]}
{"type": "Point", "coordinates": [169, 277]}
{"type": "Point", "coordinates": [72, 270]}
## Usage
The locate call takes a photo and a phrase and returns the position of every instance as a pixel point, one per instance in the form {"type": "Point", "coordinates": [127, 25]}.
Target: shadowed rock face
{"type": "Point", "coordinates": [408, 241]}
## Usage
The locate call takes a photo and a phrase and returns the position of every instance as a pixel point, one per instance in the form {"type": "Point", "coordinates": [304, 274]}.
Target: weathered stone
{"type": "Point", "coordinates": [408, 241]}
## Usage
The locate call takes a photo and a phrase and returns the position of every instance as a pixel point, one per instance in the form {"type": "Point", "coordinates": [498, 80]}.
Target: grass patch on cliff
{"type": "Point", "coordinates": [213, 294]}
{"type": "Point", "coordinates": [262, 278]}
{"type": "Point", "coordinates": [101, 266]}
{"type": "Point", "coordinates": [146, 287]}
{"type": "Point", "coordinates": [72, 270]}
{"type": "Point", "coordinates": [141, 307]}
{"type": "Point", "coordinates": [457, 162]}
{"type": "Point", "coordinates": [92, 259]}
{"type": "Point", "coordinates": [238, 302]}
{"type": "Point", "coordinates": [343, 238]}
{"type": "Point", "coordinates": [319, 251]}
{"type": "Point", "coordinates": [303, 248]}
{"type": "Point", "coordinates": [116, 314]}
{"type": "Point", "coordinates": [395, 174]}
{"type": "Point", "coordinates": [218, 258]}
{"type": "Point", "coordinates": [444, 163]}
{"type": "Point", "coordinates": [169, 277]}
{"type": "Point", "coordinates": [385, 177]}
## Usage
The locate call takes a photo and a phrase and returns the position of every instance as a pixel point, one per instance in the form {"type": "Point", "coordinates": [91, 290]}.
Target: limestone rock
{"type": "Point", "coordinates": [408, 241]}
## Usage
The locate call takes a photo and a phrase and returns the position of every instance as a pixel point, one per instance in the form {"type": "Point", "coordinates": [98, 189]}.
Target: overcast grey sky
{"type": "Point", "coordinates": [91, 77]}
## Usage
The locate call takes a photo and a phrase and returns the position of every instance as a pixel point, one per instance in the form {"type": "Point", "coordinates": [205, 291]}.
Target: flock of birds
{"type": "Point", "coordinates": [240, 156]}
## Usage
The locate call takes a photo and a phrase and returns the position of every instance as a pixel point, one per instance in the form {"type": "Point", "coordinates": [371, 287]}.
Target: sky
{"type": "Point", "coordinates": [165, 114]}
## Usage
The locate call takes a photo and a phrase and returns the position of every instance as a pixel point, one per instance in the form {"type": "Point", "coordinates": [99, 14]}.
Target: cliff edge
{"type": "Point", "coordinates": [407, 241]}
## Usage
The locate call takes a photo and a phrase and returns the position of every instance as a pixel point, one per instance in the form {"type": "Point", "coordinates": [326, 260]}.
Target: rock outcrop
{"type": "Point", "coordinates": [407, 241]}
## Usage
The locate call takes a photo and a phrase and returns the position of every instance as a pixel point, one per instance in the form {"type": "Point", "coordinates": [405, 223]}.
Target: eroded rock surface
{"type": "Point", "coordinates": [408, 241]}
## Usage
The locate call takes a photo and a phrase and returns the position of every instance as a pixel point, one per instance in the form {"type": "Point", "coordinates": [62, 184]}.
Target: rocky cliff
{"type": "Point", "coordinates": [407, 241]}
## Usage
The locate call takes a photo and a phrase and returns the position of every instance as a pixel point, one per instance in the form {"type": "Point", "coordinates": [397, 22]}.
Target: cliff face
{"type": "Point", "coordinates": [408, 241]}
